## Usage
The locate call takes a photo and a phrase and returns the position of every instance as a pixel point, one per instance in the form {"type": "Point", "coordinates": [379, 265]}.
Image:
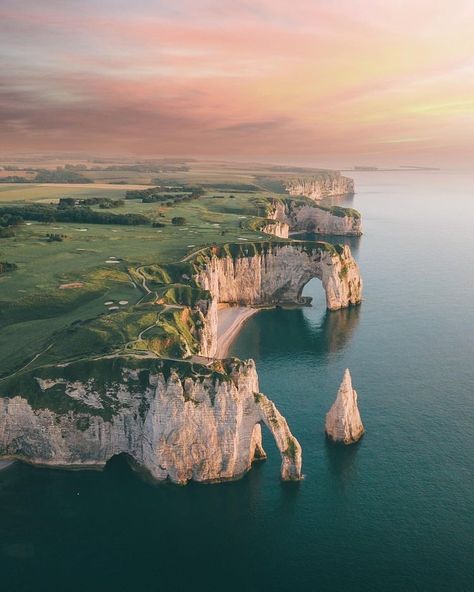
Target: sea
{"type": "Point", "coordinates": [393, 513]}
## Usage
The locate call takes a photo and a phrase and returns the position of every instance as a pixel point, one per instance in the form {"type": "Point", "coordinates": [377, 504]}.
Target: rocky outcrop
{"type": "Point", "coordinates": [184, 423]}
{"type": "Point", "coordinates": [304, 216]}
{"type": "Point", "coordinates": [275, 274]}
{"type": "Point", "coordinates": [276, 227]}
{"type": "Point", "coordinates": [320, 186]}
{"type": "Point", "coordinates": [343, 423]}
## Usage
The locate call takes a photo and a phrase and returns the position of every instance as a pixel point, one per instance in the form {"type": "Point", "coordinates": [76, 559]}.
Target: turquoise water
{"type": "Point", "coordinates": [393, 513]}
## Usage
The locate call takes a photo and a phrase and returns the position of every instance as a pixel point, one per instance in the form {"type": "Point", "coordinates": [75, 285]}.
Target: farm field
{"type": "Point", "coordinates": [61, 283]}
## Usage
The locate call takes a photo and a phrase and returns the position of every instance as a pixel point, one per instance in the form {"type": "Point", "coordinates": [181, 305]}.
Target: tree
{"type": "Point", "coordinates": [178, 221]}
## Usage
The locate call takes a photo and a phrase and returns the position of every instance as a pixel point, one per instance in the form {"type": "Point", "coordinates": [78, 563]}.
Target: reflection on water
{"type": "Point", "coordinates": [342, 461]}
{"type": "Point", "coordinates": [338, 327]}
{"type": "Point", "coordinates": [338, 200]}
{"type": "Point", "coordinates": [296, 330]}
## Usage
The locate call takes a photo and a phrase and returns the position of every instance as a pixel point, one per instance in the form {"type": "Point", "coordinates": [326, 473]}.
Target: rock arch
{"type": "Point", "coordinates": [275, 274]}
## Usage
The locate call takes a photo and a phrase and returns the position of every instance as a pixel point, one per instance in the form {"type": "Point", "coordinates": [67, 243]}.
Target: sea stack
{"type": "Point", "coordinates": [343, 423]}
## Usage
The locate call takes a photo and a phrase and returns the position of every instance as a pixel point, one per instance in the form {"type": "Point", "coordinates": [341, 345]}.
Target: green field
{"type": "Point", "coordinates": [34, 309]}
{"type": "Point", "coordinates": [52, 307]}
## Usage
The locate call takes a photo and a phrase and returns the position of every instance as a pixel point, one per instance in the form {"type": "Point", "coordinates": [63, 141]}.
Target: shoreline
{"type": "Point", "coordinates": [4, 464]}
{"type": "Point", "coordinates": [230, 320]}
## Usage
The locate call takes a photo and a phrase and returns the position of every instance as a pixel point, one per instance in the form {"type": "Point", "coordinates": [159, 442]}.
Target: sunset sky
{"type": "Point", "coordinates": [313, 82]}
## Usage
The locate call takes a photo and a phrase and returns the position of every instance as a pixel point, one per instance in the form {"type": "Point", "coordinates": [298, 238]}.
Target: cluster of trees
{"type": "Point", "coordinates": [231, 186]}
{"type": "Point", "coordinates": [153, 195]}
{"type": "Point", "coordinates": [53, 237]}
{"type": "Point", "coordinates": [5, 266]}
{"type": "Point", "coordinates": [178, 221]}
{"type": "Point", "coordinates": [82, 214]}
{"type": "Point", "coordinates": [59, 175]}
{"type": "Point", "coordinates": [6, 232]}
{"type": "Point", "coordinates": [148, 168]}
{"type": "Point", "coordinates": [8, 223]}
{"type": "Point", "coordinates": [106, 203]}
{"type": "Point", "coordinates": [15, 179]}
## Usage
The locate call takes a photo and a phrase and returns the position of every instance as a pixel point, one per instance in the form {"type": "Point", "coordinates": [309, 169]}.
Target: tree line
{"type": "Point", "coordinates": [81, 214]}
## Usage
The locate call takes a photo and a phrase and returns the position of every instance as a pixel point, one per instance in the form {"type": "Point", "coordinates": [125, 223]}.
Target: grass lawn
{"type": "Point", "coordinates": [34, 310]}
{"type": "Point", "coordinates": [53, 304]}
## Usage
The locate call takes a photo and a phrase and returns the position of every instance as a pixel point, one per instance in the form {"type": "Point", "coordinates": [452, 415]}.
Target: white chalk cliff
{"type": "Point", "coordinates": [276, 227]}
{"type": "Point", "coordinates": [302, 216]}
{"type": "Point", "coordinates": [343, 423]}
{"type": "Point", "coordinates": [200, 427]}
{"type": "Point", "coordinates": [276, 275]}
{"type": "Point", "coordinates": [320, 186]}
{"type": "Point", "coordinates": [177, 420]}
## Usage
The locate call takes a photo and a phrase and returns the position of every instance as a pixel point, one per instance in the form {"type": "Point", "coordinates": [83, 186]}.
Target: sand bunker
{"type": "Point", "coordinates": [71, 285]}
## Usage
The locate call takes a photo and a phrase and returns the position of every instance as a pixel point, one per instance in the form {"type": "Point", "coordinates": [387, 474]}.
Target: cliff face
{"type": "Point", "coordinates": [305, 217]}
{"type": "Point", "coordinates": [343, 423]}
{"type": "Point", "coordinates": [278, 228]}
{"type": "Point", "coordinates": [328, 184]}
{"type": "Point", "coordinates": [277, 275]}
{"type": "Point", "coordinates": [202, 427]}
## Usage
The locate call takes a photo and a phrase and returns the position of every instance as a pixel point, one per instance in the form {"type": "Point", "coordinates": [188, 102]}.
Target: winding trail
{"type": "Point", "coordinates": [230, 322]}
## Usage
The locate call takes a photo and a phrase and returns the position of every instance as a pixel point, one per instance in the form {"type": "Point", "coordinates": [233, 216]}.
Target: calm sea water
{"type": "Point", "coordinates": [393, 513]}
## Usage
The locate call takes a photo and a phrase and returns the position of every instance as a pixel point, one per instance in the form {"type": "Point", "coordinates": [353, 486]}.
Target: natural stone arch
{"type": "Point", "coordinates": [277, 274]}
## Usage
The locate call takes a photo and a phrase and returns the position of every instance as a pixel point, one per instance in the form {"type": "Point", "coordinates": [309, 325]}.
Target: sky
{"type": "Point", "coordinates": [305, 81]}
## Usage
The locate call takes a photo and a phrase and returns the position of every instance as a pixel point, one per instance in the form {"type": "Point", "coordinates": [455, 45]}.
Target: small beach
{"type": "Point", "coordinates": [230, 320]}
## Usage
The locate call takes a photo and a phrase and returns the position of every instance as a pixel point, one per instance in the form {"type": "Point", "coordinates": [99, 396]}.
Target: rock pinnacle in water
{"type": "Point", "coordinates": [343, 423]}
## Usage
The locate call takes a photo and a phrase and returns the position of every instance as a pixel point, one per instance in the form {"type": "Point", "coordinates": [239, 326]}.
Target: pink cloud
{"type": "Point", "coordinates": [228, 78]}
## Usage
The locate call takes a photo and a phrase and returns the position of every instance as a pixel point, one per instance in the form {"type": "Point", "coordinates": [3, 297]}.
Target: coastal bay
{"type": "Point", "coordinates": [394, 508]}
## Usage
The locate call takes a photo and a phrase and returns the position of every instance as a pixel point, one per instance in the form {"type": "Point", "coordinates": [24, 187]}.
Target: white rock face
{"type": "Point", "coordinates": [278, 228]}
{"type": "Point", "coordinates": [178, 429]}
{"type": "Point", "coordinates": [343, 423]}
{"type": "Point", "coordinates": [277, 276]}
{"type": "Point", "coordinates": [325, 184]}
{"type": "Point", "coordinates": [305, 217]}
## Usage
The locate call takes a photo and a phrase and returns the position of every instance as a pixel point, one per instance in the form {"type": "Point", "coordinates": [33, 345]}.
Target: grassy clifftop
{"type": "Point", "coordinates": [84, 295]}
{"type": "Point", "coordinates": [295, 202]}
{"type": "Point", "coordinates": [104, 377]}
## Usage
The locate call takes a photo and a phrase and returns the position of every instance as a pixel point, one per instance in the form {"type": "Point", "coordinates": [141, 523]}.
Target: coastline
{"type": "Point", "coordinates": [230, 320]}
{"type": "Point", "coordinates": [4, 464]}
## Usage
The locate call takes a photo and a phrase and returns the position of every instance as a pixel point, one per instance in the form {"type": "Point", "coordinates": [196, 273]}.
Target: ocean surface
{"type": "Point", "coordinates": [392, 513]}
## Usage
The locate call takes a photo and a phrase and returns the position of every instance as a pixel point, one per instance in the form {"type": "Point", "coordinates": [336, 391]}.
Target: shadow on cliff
{"type": "Point", "coordinates": [271, 328]}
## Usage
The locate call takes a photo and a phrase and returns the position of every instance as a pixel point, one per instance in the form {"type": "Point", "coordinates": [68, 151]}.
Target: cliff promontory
{"type": "Point", "coordinates": [306, 216]}
{"type": "Point", "coordinates": [175, 420]}
{"type": "Point", "coordinates": [320, 186]}
{"type": "Point", "coordinates": [269, 274]}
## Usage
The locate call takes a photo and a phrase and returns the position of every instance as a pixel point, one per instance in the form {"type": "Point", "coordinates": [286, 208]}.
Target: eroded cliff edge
{"type": "Point", "coordinates": [270, 274]}
{"type": "Point", "coordinates": [306, 216]}
{"type": "Point", "coordinates": [323, 185]}
{"type": "Point", "coordinates": [175, 420]}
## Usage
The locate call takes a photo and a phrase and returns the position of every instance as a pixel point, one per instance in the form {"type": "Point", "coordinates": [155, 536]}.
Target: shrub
{"type": "Point", "coordinates": [178, 221]}
{"type": "Point", "coordinates": [5, 266]}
